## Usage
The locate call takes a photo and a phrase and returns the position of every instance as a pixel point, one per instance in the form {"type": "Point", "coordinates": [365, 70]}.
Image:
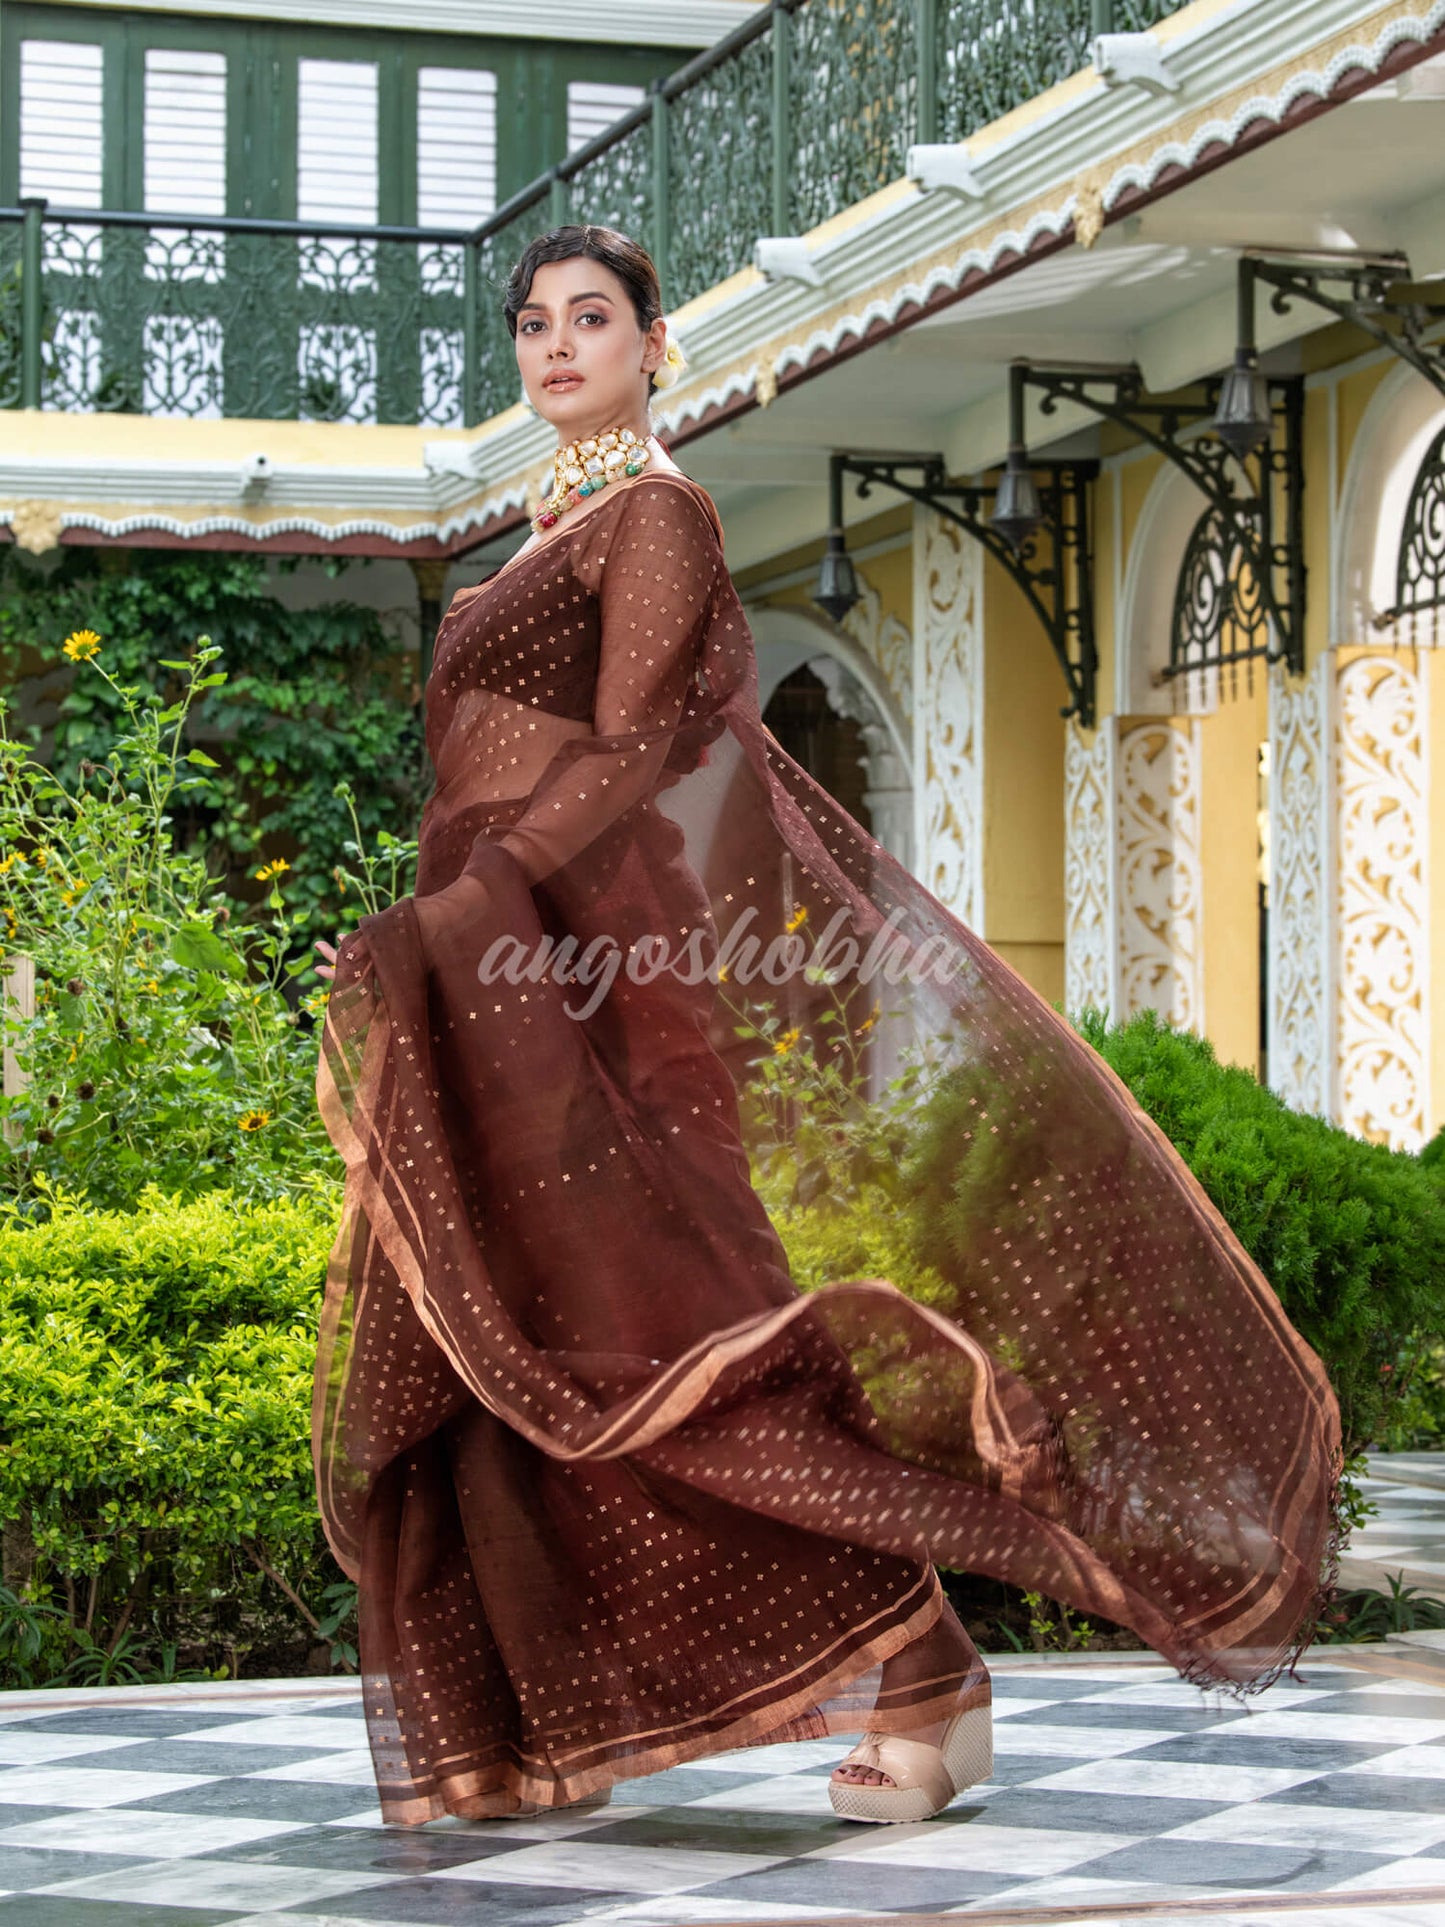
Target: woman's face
{"type": "Point", "coordinates": [583, 357]}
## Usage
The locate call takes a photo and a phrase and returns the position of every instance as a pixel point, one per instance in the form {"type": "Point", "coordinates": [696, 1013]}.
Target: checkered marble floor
{"type": "Point", "coordinates": [1406, 1536]}
{"type": "Point", "coordinates": [1115, 1786]}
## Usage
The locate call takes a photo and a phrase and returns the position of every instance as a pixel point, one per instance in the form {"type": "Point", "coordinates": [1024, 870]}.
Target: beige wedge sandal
{"type": "Point", "coordinates": [925, 1778]}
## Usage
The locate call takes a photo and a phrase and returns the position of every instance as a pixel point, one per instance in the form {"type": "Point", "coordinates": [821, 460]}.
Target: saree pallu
{"type": "Point", "coordinates": [616, 1493]}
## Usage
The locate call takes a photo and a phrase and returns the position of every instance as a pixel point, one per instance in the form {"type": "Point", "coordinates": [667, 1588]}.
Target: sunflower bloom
{"type": "Point", "coordinates": [272, 869]}
{"type": "Point", "coordinates": [798, 918]}
{"type": "Point", "coordinates": [870, 1020]}
{"type": "Point", "coordinates": [786, 1042]}
{"type": "Point", "coordinates": [253, 1120]}
{"type": "Point", "coordinates": [81, 646]}
{"type": "Point", "coordinates": [722, 973]}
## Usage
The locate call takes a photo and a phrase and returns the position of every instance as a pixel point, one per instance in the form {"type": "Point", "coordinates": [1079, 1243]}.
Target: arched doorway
{"type": "Point", "coordinates": [833, 708]}
{"type": "Point", "coordinates": [829, 745]}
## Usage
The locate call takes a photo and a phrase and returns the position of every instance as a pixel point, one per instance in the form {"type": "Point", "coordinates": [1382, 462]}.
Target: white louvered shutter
{"type": "Point", "coordinates": [592, 106]}
{"type": "Point", "coordinates": [456, 146]}
{"type": "Point", "coordinates": [61, 91]}
{"type": "Point", "coordinates": [336, 141]}
{"type": "Point", "coordinates": [185, 132]}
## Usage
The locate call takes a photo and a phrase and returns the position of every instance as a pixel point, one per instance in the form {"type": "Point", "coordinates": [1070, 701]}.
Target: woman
{"type": "Point", "coordinates": [616, 1494]}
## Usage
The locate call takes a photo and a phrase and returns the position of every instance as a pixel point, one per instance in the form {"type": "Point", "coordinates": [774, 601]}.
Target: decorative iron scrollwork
{"type": "Point", "coordinates": [1420, 573]}
{"type": "Point", "coordinates": [1221, 618]}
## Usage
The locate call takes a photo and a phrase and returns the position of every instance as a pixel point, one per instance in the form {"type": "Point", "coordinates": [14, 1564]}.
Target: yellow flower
{"type": "Point", "coordinates": [798, 918]}
{"type": "Point", "coordinates": [69, 896]}
{"type": "Point", "coordinates": [272, 869]}
{"type": "Point", "coordinates": [870, 1020]}
{"type": "Point", "coordinates": [253, 1120]}
{"type": "Point", "coordinates": [80, 647]}
{"type": "Point", "coordinates": [8, 862]}
{"type": "Point", "coordinates": [152, 985]}
{"type": "Point", "coordinates": [722, 973]}
{"type": "Point", "coordinates": [786, 1042]}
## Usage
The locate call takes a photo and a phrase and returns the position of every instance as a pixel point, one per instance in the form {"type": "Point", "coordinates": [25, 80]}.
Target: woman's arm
{"type": "Point", "coordinates": [654, 566]}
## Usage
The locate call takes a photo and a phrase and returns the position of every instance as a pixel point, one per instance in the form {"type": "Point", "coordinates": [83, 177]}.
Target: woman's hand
{"type": "Point", "coordinates": [328, 950]}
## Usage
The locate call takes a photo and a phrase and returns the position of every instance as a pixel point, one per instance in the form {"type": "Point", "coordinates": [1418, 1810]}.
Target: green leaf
{"type": "Point", "coordinates": [196, 945]}
{"type": "Point", "coordinates": [200, 756]}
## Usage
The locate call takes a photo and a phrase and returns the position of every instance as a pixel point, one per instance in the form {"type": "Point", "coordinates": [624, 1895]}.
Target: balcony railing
{"type": "Point", "coordinates": [804, 109]}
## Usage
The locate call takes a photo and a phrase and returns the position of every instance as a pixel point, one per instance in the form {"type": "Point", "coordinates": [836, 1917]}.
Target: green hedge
{"type": "Point", "coordinates": [155, 1470]}
{"type": "Point", "coordinates": [1351, 1235]}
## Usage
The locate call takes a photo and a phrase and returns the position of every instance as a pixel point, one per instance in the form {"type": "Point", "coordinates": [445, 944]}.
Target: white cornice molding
{"type": "Point", "coordinates": [115, 527]}
{"type": "Point", "coordinates": [649, 23]}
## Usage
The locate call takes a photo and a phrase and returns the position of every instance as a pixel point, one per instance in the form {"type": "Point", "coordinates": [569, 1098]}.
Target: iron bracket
{"type": "Point", "coordinates": [1375, 294]}
{"type": "Point", "coordinates": [1058, 585]}
{"type": "Point", "coordinates": [1259, 498]}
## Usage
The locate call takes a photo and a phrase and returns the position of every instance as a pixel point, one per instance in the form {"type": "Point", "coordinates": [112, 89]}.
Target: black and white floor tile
{"type": "Point", "coordinates": [1115, 1785]}
{"type": "Point", "coordinates": [1406, 1535]}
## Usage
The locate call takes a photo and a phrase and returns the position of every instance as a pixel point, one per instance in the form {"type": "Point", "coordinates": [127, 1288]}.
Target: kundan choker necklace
{"type": "Point", "coordinates": [583, 467]}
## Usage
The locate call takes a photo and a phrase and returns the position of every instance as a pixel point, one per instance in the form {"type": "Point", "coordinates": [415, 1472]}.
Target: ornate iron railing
{"type": "Point", "coordinates": [805, 108]}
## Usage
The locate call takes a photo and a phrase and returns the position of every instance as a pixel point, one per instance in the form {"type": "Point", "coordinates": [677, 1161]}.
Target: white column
{"type": "Point", "coordinates": [1381, 906]}
{"type": "Point", "coordinates": [1161, 886]}
{"type": "Point", "coordinates": [1091, 948]}
{"type": "Point", "coordinates": [948, 658]}
{"type": "Point", "coordinates": [1300, 865]}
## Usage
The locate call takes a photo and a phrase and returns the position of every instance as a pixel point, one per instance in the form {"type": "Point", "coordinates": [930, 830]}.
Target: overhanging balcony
{"type": "Point", "coordinates": [805, 110]}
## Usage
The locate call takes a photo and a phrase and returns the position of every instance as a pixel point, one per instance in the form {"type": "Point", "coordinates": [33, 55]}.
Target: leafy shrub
{"type": "Point", "coordinates": [1363, 1613]}
{"type": "Point", "coordinates": [1351, 1235]}
{"type": "Point", "coordinates": [155, 1475]}
{"type": "Point", "coordinates": [315, 698]}
{"type": "Point", "coordinates": [164, 1047]}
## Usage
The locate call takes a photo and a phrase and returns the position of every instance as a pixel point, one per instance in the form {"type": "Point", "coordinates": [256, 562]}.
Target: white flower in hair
{"type": "Point", "coordinates": [672, 364]}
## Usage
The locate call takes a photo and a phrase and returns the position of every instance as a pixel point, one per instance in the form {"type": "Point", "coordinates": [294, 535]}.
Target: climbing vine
{"type": "Point", "coordinates": [312, 697]}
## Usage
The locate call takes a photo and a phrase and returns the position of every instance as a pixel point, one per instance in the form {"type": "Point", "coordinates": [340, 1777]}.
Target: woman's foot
{"type": "Point", "coordinates": [896, 1777]}
{"type": "Point", "coordinates": [857, 1773]}
{"type": "Point", "coordinates": [909, 1776]}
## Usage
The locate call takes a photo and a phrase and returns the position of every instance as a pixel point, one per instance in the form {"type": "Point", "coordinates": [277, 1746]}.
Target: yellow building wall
{"type": "Point", "coordinates": [1230, 742]}
{"type": "Point", "coordinates": [1023, 788]}
{"type": "Point", "coordinates": [891, 574]}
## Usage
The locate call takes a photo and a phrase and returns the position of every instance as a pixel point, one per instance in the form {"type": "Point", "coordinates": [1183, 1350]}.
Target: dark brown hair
{"type": "Point", "coordinates": [628, 260]}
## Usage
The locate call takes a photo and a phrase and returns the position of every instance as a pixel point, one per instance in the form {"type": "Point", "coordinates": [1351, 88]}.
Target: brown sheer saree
{"type": "Point", "coordinates": [616, 1493]}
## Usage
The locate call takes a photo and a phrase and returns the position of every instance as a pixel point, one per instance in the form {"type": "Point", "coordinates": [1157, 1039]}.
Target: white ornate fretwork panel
{"type": "Point", "coordinates": [887, 641]}
{"type": "Point", "coordinates": [1090, 913]}
{"type": "Point", "coordinates": [1381, 904]}
{"type": "Point", "coordinates": [1160, 889]}
{"type": "Point", "coordinates": [1300, 1044]}
{"type": "Point", "coordinates": [948, 713]}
